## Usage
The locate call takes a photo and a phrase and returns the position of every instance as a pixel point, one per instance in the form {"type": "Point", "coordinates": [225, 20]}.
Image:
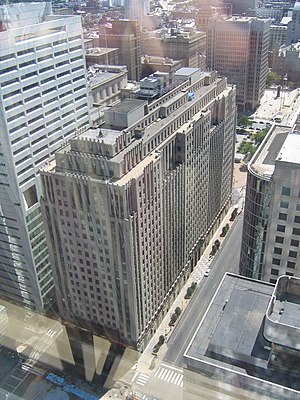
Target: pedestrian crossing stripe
{"type": "Point", "coordinates": [141, 380]}
{"type": "Point", "coordinates": [170, 375]}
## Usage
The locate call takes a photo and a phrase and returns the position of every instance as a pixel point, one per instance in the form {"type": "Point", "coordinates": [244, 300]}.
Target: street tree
{"type": "Point", "coordinates": [273, 78]}
{"type": "Point", "coordinates": [177, 311]}
{"type": "Point", "coordinates": [161, 340]}
{"type": "Point", "coordinates": [245, 121]}
{"type": "Point", "coordinates": [173, 319]}
{"type": "Point", "coordinates": [189, 293]}
{"type": "Point", "coordinates": [224, 231]}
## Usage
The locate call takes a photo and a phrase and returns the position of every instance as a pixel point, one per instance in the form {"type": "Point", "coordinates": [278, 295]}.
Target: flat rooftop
{"type": "Point", "coordinates": [233, 322]}
{"type": "Point", "coordinates": [290, 150]}
{"type": "Point", "coordinates": [230, 338]}
{"type": "Point", "coordinates": [154, 128]}
{"type": "Point", "coordinates": [127, 105]}
{"type": "Point", "coordinates": [100, 77]}
{"type": "Point", "coordinates": [287, 313]}
{"type": "Point", "coordinates": [109, 136]}
{"type": "Point", "coordinates": [186, 71]}
{"type": "Point", "coordinates": [263, 162]}
{"type": "Point", "coordinates": [136, 171]}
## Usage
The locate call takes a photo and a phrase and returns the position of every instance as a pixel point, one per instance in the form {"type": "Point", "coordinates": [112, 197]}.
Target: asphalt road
{"type": "Point", "coordinates": [226, 260]}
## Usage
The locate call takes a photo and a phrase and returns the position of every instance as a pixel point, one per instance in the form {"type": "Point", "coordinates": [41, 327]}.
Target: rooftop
{"type": "Point", "coordinates": [230, 342]}
{"type": "Point", "coordinates": [136, 171]}
{"type": "Point", "coordinates": [263, 163]}
{"type": "Point", "coordinates": [186, 71]}
{"type": "Point", "coordinates": [233, 322]}
{"type": "Point", "coordinates": [127, 105]}
{"type": "Point", "coordinates": [108, 135]}
{"type": "Point", "coordinates": [291, 149]}
{"type": "Point", "coordinates": [286, 312]}
{"type": "Point", "coordinates": [100, 77]}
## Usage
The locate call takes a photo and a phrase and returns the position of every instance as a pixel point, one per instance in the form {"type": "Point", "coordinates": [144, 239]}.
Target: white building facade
{"type": "Point", "coordinates": [43, 103]}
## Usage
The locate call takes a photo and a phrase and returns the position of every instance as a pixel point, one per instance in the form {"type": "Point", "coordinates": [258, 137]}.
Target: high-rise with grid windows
{"type": "Point", "coordinates": [271, 232]}
{"type": "Point", "coordinates": [43, 103]}
{"type": "Point", "coordinates": [130, 206]}
{"type": "Point", "coordinates": [237, 48]}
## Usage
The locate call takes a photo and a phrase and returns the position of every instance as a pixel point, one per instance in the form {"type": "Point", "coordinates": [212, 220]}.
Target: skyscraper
{"type": "Point", "coordinates": [43, 103]}
{"type": "Point", "coordinates": [240, 7]}
{"type": "Point", "coordinates": [125, 35]}
{"type": "Point", "coordinates": [271, 232]}
{"type": "Point", "coordinates": [293, 30]}
{"type": "Point", "coordinates": [178, 44]}
{"type": "Point", "coordinates": [130, 207]}
{"type": "Point", "coordinates": [237, 48]}
{"type": "Point", "coordinates": [136, 9]}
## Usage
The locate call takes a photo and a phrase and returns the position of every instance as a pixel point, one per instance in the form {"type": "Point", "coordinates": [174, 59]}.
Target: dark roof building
{"type": "Point", "coordinates": [248, 340]}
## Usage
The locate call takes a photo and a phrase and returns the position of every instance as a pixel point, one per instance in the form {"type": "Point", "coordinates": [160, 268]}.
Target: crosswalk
{"type": "Point", "coordinates": [165, 373]}
{"type": "Point", "coordinates": [170, 375]}
{"type": "Point", "coordinates": [140, 379]}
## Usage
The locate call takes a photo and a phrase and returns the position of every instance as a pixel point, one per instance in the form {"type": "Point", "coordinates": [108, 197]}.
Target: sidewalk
{"type": "Point", "coordinates": [164, 329]}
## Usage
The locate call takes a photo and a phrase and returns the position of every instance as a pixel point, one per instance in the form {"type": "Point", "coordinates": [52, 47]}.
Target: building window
{"type": "Point", "coordinates": [291, 264]}
{"type": "Point", "coordinates": [292, 254]}
{"type": "Point", "coordinates": [282, 216]}
{"type": "Point", "coordinates": [296, 231]}
{"type": "Point", "coordinates": [274, 271]}
{"type": "Point", "coordinates": [294, 242]}
{"type": "Point", "coordinates": [297, 219]}
{"type": "Point", "coordinates": [279, 239]}
{"type": "Point", "coordinates": [281, 228]}
{"type": "Point", "coordinates": [273, 281]}
{"type": "Point", "coordinates": [286, 191]}
{"type": "Point", "coordinates": [276, 261]}
{"type": "Point", "coordinates": [289, 274]}
{"type": "Point", "coordinates": [298, 207]}
{"type": "Point", "coordinates": [284, 204]}
{"type": "Point", "coordinates": [277, 250]}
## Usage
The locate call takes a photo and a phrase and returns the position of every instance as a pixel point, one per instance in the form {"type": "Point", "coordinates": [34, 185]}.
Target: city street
{"type": "Point", "coordinates": [226, 260]}
{"type": "Point", "coordinates": [161, 377]}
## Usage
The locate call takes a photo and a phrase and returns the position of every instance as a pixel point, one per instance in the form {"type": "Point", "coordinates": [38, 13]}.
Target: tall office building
{"type": "Point", "coordinates": [293, 30]}
{"type": "Point", "coordinates": [238, 49]}
{"type": "Point", "coordinates": [136, 9]}
{"type": "Point", "coordinates": [125, 35]}
{"type": "Point", "coordinates": [240, 7]}
{"type": "Point", "coordinates": [188, 45]}
{"type": "Point", "coordinates": [271, 232]}
{"type": "Point", "coordinates": [43, 103]}
{"type": "Point", "coordinates": [130, 207]}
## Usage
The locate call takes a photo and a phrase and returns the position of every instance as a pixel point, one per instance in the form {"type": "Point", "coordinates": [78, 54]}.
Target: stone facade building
{"type": "Point", "coordinates": [131, 207]}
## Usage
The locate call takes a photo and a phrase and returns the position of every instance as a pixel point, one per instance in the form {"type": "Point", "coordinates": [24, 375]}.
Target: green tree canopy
{"type": "Point", "coordinates": [273, 78]}
{"type": "Point", "coordinates": [245, 121]}
{"type": "Point", "coordinates": [161, 340]}
{"type": "Point", "coordinates": [259, 136]}
{"type": "Point", "coordinates": [178, 311]}
{"type": "Point", "coordinates": [247, 147]}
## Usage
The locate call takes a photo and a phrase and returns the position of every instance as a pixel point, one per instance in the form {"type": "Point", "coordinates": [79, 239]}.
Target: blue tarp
{"type": "Point", "coordinates": [59, 381]}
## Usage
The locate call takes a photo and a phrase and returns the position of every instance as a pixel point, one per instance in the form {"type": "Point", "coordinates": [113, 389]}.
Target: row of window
{"type": "Point", "coordinates": [281, 228]}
